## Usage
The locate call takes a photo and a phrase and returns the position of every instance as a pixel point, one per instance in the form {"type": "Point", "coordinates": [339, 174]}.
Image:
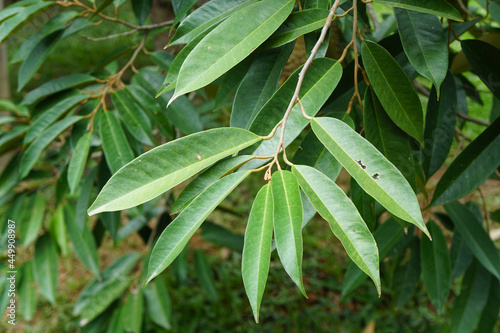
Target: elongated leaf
{"type": "Point", "coordinates": [364, 203]}
{"type": "Point", "coordinates": [78, 161]}
{"type": "Point", "coordinates": [469, 304]}
{"type": "Point", "coordinates": [132, 116]}
{"type": "Point", "coordinates": [205, 275]}
{"type": "Point", "coordinates": [27, 292]}
{"type": "Point", "coordinates": [83, 199]}
{"type": "Point", "coordinates": [133, 311]}
{"type": "Point", "coordinates": [32, 154]}
{"type": "Point", "coordinates": [440, 122]}
{"type": "Point", "coordinates": [55, 86]}
{"type": "Point", "coordinates": [288, 224]}
{"type": "Point", "coordinates": [483, 58]}
{"type": "Point", "coordinates": [388, 138]}
{"type": "Point", "coordinates": [45, 267]}
{"type": "Point", "coordinates": [141, 9]}
{"type": "Point", "coordinates": [184, 7]}
{"type": "Point", "coordinates": [230, 81]}
{"type": "Point", "coordinates": [460, 254]}
{"type": "Point", "coordinates": [83, 242]}
{"type": "Point", "coordinates": [436, 267]}
{"type": "Point", "coordinates": [206, 179]}
{"type": "Point", "coordinates": [205, 17]}
{"type": "Point", "coordinates": [159, 306]}
{"type": "Point", "coordinates": [57, 229]}
{"type": "Point", "coordinates": [386, 236]}
{"type": "Point", "coordinates": [37, 213]}
{"type": "Point", "coordinates": [471, 168]}
{"type": "Point", "coordinates": [296, 25]}
{"type": "Point", "coordinates": [20, 16]}
{"type": "Point", "coordinates": [258, 85]}
{"type": "Point", "coordinates": [117, 270]}
{"type": "Point", "coordinates": [218, 235]}
{"type": "Point", "coordinates": [394, 89]}
{"type": "Point", "coordinates": [424, 43]}
{"type": "Point", "coordinates": [176, 235]}
{"type": "Point", "coordinates": [489, 317]}
{"type": "Point", "coordinates": [51, 114]}
{"type": "Point", "coordinates": [406, 274]}
{"type": "Point", "coordinates": [257, 248]}
{"type": "Point", "coordinates": [435, 7]}
{"type": "Point", "coordinates": [475, 237]}
{"type": "Point", "coordinates": [373, 172]}
{"type": "Point", "coordinates": [219, 51]}
{"type": "Point", "coordinates": [117, 151]}
{"type": "Point", "coordinates": [346, 223]}
{"type": "Point", "coordinates": [165, 166]}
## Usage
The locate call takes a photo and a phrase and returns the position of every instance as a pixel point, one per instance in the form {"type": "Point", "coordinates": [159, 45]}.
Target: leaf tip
{"type": "Point", "coordinates": [174, 97]}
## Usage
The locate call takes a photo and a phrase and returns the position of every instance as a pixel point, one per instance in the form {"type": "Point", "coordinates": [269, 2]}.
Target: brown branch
{"type": "Point", "coordinates": [473, 120]}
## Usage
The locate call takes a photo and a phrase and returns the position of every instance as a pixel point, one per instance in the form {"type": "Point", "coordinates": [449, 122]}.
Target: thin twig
{"type": "Point", "coordinates": [110, 36]}
{"type": "Point", "coordinates": [472, 120]}
{"type": "Point", "coordinates": [420, 88]}
{"type": "Point", "coordinates": [485, 210]}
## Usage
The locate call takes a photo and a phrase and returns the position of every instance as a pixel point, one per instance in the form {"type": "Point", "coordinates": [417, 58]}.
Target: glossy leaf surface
{"type": "Point", "coordinates": [45, 267]}
{"type": "Point", "coordinates": [78, 161]}
{"type": "Point", "coordinates": [435, 7]}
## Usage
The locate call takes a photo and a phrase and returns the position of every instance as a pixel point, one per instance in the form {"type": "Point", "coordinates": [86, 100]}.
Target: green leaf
{"type": "Point", "coordinates": [489, 317]}
{"type": "Point", "coordinates": [394, 89]}
{"type": "Point", "coordinates": [27, 292]}
{"type": "Point", "coordinates": [296, 25]}
{"type": "Point", "coordinates": [116, 271]}
{"type": "Point", "coordinates": [205, 275]}
{"type": "Point", "coordinates": [406, 274]}
{"type": "Point", "coordinates": [346, 223]}
{"type": "Point", "coordinates": [440, 123]}
{"type": "Point", "coordinates": [471, 168]}
{"type": "Point", "coordinates": [373, 172]}
{"type": "Point", "coordinates": [116, 323]}
{"type": "Point", "coordinates": [55, 86]}
{"type": "Point", "coordinates": [388, 138]}
{"type": "Point", "coordinates": [133, 311]}
{"type": "Point", "coordinates": [435, 7]}
{"type": "Point", "coordinates": [424, 43]}
{"type": "Point", "coordinates": [78, 161]}
{"type": "Point", "coordinates": [288, 224]}
{"type": "Point", "coordinates": [470, 303]}
{"type": "Point", "coordinates": [205, 17]}
{"type": "Point", "coordinates": [184, 7]}
{"type": "Point", "coordinates": [219, 51]}
{"type": "Point", "coordinates": [83, 242]}
{"type": "Point", "coordinates": [229, 82]}
{"type": "Point", "coordinates": [158, 304]}
{"type": "Point", "coordinates": [364, 203]}
{"type": "Point", "coordinates": [386, 236]}
{"type": "Point", "coordinates": [257, 249]}
{"type": "Point", "coordinates": [111, 221]}
{"type": "Point", "coordinates": [176, 235]}
{"type": "Point", "coordinates": [483, 58]}
{"type": "Point", "coordinates": [436, 267]}
{"type": "Point", "coordinates": [116, 148]}
{"type": "Point", "coordinates": [57, 229]}
{"type": "Point", "coordinates": [50, 114]}
{"type": "Point", "coordinates": [37, 212]}
{"type": "Point", "coordinates": [460, 254]}
{"type": "Point", "coordinates": [32, 154]}
{"type": "Point", "coordinates": [133, 117]}
{"type": "Point", "coordinates": [258, 85]}
{"type": "Point", "coordinates": [165, 166]}
{"type": "Point", "coordinates": [475, 237]}
{"type": "Point", "coordinates": [141, 9]}
{"type": "Point", "coordinates": [45, 267]}
{"type": "Point", "coordinates": [83, 198]}
{"type": "Point", "coordinates": [207, 178]}
{"type": "Point", "coordinates": [20, 16]}
{"type": "Point", "coordinates": [219, 235]}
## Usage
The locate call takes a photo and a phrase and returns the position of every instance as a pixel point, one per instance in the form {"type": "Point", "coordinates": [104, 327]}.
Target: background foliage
{"type": "Point", "coordinates": [405, 122]}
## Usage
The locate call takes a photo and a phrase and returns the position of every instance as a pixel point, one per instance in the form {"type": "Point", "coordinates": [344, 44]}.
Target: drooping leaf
{"type": "Point", "coordinates": [57, 230]}
{"type": "Point", "coordinates": [460, 255]}
{"type": "Point", "coordinates": [116, 148]}
{"type": "Point", "coordinates": [176, 235]}
{"type": "Point", "coordinates": [388, 138]}
{"type": "Point", "coordinates": [205, 275]}
{"type": "Point", "coordinates": [258, 85]}
{"type": "Point", "coordinates": [32, 154]}
{"type": "Point", "coordinates": [158, 304]}
{"type": "Point", "coordinates": [373, 172]}
{"type": "Point", "coordinates": [219, 235]}
{"type": "Point", "coordinates": [183, 9]}
{"type": "Point", "coordinates": [207, 178]}
{"type": "Point", "coordinates": [387, 235]}
{"type": "Point", "coordinates": [133, 311]}
{"type": "Point", "coordinates": [469, 304]}
{"type": "Point", "coordinates": [296, 25]}
{"type": "Point", "coordinates": [364, 203]}
{"type": "Point", "coordinates": [78, 161]}
{"type": "Point", "coordinates": [346, 223]}
{"type": "Point", "coordinates": [435, 7]}
{"type": "Point", "coordinates": [165, 166]}
{"type": "Point", "coordinates": [45, 268]}
{"type": "Point", "coordinates": [436, 267]}
{"type": "Point", "coordinates": [406, 274]}
{"type": "Point", "coordinates": [133, 117]}
{"type": "Point", "coordinates": [219, 51]}
{"type": "Point", "coordinates": [288, 224]}
{"type": "Point", "coordinates": [440, 122]}
{"type": "Point", "coordinates": [111, 221]}
{"type": "Point", "coordinates": [230, 81]}
{"type": "Point", "coordinates": [394, 89]}
{"type": "Point", "coordinates": [424, 43]}
{"type": "Point", "coordinates": [141, 9]}
{"type": "Point", "coordinates": [489, 317]}
{"type": "Point", "coordinates": [475, 237]}
{"type": "Point", "coordinates": [471, 168]}
{"type": "Point", "coordinates": [83, 199]}
{"type": "Point", "coordinates": [257, 248]}
{"type": "Point", "coordinates": [27, 291]}
{"type": "Point", "coordinates": [34, 223]}
{"type": "Point", "coordinates": [205, 17]}
{"type": "Point", "coordinates": [83, 242]}
{"type": "Point", "coordinates": [483, 57]}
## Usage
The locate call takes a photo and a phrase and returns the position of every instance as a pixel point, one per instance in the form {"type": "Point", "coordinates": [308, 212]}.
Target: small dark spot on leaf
{"type": "Point", "coordinates": [376, 176]}
{"type": "Point", "coordinates": [360, 163]}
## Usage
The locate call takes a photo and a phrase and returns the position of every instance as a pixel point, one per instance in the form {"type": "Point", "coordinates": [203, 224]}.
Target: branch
{"type": "Point", "coordinates": [472, 120]}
